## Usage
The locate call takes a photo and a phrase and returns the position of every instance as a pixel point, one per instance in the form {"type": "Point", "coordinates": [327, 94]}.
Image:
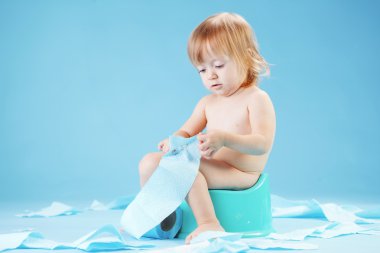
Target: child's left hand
{"type": "Point", "coordinates": [210, 142]}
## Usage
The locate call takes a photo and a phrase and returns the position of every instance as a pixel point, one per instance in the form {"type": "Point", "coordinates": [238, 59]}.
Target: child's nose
{"type": "Point", "coordinates": [212, 76]}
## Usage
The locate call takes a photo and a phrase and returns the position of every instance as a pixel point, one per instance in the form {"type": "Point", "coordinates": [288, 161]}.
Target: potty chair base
{"type": "Point", "coordinates": [247, 211]}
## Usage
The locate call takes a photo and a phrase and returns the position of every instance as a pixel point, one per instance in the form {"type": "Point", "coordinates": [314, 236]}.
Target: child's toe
{"type": "Point", "coordinates": [187, 240]}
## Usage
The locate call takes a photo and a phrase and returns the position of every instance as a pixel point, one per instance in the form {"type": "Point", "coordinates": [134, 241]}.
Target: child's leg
{"type": "Point", "coordinates": [221, 175]}
{"type": "Point", "coordinates": [198, 198]}
{"type": "Point", "coordinates": [218, 174]}
{"type": "Point", "coordinates": [201, 204]}
{"type": "Point", "coordinates": [148, 165]}
{"type": "Point", "coordinates": [213, 175]}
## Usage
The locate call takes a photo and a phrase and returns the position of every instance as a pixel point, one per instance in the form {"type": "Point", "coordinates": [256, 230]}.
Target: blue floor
{"type": "Point", "coordinates": [70, 228]}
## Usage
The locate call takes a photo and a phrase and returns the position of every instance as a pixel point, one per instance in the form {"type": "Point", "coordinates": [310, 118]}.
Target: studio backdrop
{"type": "Point", "coordinates": [87, 88]}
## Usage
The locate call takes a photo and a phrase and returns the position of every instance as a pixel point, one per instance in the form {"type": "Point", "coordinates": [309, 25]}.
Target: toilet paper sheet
{"type": "Point", "coordinates": [166, 189]}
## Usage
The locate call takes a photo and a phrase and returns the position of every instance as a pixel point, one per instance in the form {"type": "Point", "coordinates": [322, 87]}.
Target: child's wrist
{"type": "Point", "coordinates": [182, 133]}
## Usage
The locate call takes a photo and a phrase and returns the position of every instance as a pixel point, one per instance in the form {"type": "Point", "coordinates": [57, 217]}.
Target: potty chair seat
{"type": "Point", "coordinates": [246, 210]}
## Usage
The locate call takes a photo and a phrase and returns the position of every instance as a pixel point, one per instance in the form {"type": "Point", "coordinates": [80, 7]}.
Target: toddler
{"type": "Point", "coordinates": [239, 116]}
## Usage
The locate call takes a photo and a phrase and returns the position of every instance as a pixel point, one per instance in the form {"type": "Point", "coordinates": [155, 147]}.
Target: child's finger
{"type": "Point", "coordinates": [203, 147]}
{"type": "Point", "coordinates": [206, 157]}
{"type": "Point", "coordinates": [205, 153]}
{"type": "Point", "coordinates": [209, 152]}
{"type": "Point", "coordinates": [201, 137]}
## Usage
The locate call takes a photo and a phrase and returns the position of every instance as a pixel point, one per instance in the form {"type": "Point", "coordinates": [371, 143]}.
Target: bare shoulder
{"type": "Point", "coordinates": [207, 99]}
{"type": "Point", "coordinates": [203, 103]}
{"type": "Point", "coordinates": [262, 115]}
{"type": "Point", "coordinates": [257, 97]}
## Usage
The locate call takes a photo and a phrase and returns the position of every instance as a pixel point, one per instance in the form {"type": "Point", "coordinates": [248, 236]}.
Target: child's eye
{"type": "Point", "coordinates": [202, 70]}
{"type": "Point", "coordinates": [219, 66]}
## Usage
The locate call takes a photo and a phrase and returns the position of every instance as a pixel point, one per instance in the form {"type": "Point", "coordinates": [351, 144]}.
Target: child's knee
{"type": "Point", "coordinates": [200, 180]}
{"type": "Point", "coordinates": [149, 163]}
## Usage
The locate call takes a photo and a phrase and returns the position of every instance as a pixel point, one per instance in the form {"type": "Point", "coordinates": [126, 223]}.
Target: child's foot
{"type": "Point", "coordinates": [215, 226]}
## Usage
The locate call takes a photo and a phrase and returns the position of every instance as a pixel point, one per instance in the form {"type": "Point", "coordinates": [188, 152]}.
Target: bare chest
{"type": "Point", "coordinates": [231, 117]}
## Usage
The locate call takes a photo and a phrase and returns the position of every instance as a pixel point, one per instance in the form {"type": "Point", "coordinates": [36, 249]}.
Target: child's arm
{"type": "Point", "coordinates": [196, 123]}
{"type": "Point", "coordinates": [263, 124]}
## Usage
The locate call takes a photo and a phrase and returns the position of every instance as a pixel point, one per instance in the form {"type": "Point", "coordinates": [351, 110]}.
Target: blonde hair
{"type": "Point", "coordinates": [228, 34]}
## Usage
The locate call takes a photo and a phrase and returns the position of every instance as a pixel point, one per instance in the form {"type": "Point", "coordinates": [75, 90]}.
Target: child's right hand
{"type": "Point", "coordinates": [164, 145]}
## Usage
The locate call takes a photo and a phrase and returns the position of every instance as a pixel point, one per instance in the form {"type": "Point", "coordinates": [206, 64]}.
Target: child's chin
{"type": "Point", "coordinates": [219, 92]}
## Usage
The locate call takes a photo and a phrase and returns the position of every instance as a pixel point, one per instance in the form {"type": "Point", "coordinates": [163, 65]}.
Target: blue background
{"type": "Point", "coordinates": [88, 87]}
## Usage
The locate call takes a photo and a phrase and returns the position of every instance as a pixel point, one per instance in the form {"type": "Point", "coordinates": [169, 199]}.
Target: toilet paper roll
{"type": "Point", "coordinates": [168, 228]}
{"type": "Point", "coordinates": [166, 188]}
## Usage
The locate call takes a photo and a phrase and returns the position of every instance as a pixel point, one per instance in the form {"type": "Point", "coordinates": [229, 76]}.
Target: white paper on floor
{"type": "Point", "coordinates": [97, 206]}
{"type": "Point", "coordinates": [342, 220]}
{"type": "Point", "coordinates": [281, 208]}
{"type": "Point", "coordinates": [61, 209]}
{"type": "Point", "coordinates": [334, 212]}
{"type": "Point", "coordinates": [329, 230]}
{"type": "Point", "coordinates": [284, 208]}
{"type": "Point", "coordinates": [216, 241]}
{"type": "Point", "coordinates": [209, 235]}
{"type": "Point", "coordinates": [29, 240]}
{"type": "Point", "coordinates": [370, 214]}
{"type": "Point", "coordinates": [278, 244]}
{"type": "Point", "coordinates": [55, 209]}
{"type": "Point", "coordinates": [106, 238]}
{"type": "Point", "coordinates": [222, 245]}
{"type": "Point", "coordinates": [196, 247]}
{"type": "Point", "coordinates": [296, 235]}
{"type": "Point", "coordinates": [119, 203]}
{"type": "Point", "coordinates": [232, 242]}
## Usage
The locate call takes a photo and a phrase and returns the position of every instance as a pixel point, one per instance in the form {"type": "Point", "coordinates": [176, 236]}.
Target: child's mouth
{"type": "Point", "coordinates": [216, 85]}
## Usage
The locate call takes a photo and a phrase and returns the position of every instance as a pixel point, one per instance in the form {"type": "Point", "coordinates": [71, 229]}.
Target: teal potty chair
{"type": "Point", "coordinates": [247, 211]}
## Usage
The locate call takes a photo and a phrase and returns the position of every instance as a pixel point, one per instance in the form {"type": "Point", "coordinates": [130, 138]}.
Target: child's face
{"type": "Point", "coordinates": [220, 75]}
